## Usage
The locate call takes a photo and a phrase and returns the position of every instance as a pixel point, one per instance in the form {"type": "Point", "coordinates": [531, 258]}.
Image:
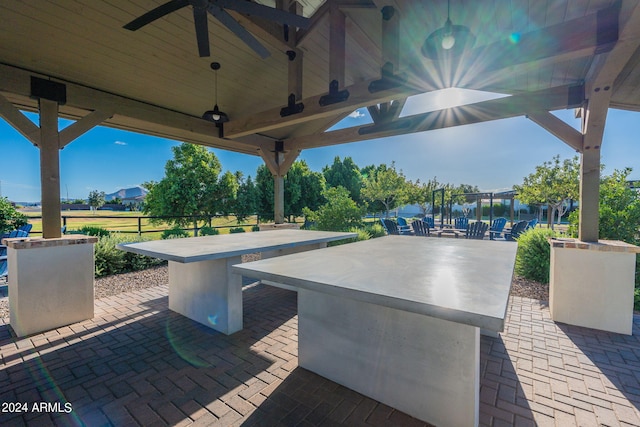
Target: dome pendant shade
{"type": "Point", "coordinates": [448, 41]}
{"type": "Point", "coordinates": [215, 115]}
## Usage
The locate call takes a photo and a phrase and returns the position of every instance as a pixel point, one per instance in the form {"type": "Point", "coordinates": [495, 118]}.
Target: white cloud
{"type": "Point", "coordinates": [120, 143]}
{"type": "Point", "coordinates": [356, 114]}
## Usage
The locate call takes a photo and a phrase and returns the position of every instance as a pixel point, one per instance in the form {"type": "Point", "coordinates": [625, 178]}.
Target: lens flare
{"type": "Point", "coordinates": [514, 38]}
{"type": "Point", "coordinates": [181, 338]}
{"type": "Point", "coordinates": [213, 319]}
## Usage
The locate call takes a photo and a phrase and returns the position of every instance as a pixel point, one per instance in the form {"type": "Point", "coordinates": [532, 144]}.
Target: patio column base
{"type": "Point", "coordinates": [591, 284]}
{"type": "Point", "coordinates": [50, 282]}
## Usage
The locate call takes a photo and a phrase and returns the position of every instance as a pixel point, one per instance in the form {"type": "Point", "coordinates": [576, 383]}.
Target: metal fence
{"type": "Point", "coordinates": [143, 224]}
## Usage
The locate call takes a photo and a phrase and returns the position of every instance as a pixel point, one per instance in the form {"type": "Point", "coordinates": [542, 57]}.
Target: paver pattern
{"type": "Point", "coordinates": [138, 363]}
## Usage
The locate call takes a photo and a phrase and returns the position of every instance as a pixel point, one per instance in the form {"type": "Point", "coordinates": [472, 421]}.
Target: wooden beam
{"type": "Point", "coordinates": [295, 69]}
{"type": "Point", "coordinates": [278, 163]}
{"type": "Point", "coordinates": [85, 124]}
{"type": "Point", "coordinates": [19, 121]}
{"type": "Point", "coordinates": [322, 13]}
{"type": "Point", "coordinates": [391, 36]}
{"type": "Point", "coordinates": [601, 77]}
{"type": "Point", "coordinates": [157, 120]}
{"type": "Point", "coordinates": [558, 128]}
{"type": "Point", "coordinates": [495, 109]}
{"type": "Point", "coordinates": [359, 96]}
{"type": "Point", "coordinates": [50, 169]}
{"type": "Point", "coordinates": [576, 38]}
{"type": "Point", "coordinates": [290, 156]}
{"type": "Point", "coordinates": [337, 45]}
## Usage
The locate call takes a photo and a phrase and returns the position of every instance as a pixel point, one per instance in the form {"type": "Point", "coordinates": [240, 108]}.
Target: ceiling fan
{"type": "Point", "coordinates": [217, 9]}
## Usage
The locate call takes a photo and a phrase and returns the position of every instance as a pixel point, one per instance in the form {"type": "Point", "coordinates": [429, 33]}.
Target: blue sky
{"type": "Point", "coordinates": [492, 155]}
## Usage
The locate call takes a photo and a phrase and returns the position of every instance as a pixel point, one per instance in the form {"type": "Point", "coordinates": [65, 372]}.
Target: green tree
{"type": "Point", "coordinates": [192, 187]}
{"type": "Point", "coordinates": [387, 186]}
{"type": "Point", "coordinates": [344, 173]}
{"type": "Point", "coordinates": [554, 183]}
{"type": "Point", "coordinates": [96, 199]}
{"type": "Point", "coordinates": [246, 199]}
{"type": "Point", "coordinates": [302, 188]}
{"type": "Point", "coordinates": [339, 213]}
{"type": "Point", "coordinates": [264, 193]}
{"type": "Point", "coordinates": [10, 218]}
{"type": "Point", "coordinates": [421, 194]}
{"type": "Point", "coordinates": [619, 209]}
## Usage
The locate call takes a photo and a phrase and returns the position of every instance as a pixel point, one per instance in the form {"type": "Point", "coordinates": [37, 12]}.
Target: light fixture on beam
{"type": "Point", "coordinates": [448, 41]}
{"type": "Point", "coordinates": [215, 115]}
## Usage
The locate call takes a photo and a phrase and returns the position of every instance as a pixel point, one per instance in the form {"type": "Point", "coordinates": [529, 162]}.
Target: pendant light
{"type": "Point", "coordinates": [450, 40]}
{"type": "Point", "coordinates": [215, 115]}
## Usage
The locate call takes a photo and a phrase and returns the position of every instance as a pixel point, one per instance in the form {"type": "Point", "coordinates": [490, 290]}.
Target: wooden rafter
{"type": "Point", "coordinates": [19, 121]}
{"type": "Point", "coordinates": [495, 109]}
{"type": "Point", "coordinates": [484, 63]}
{"type": "Point", "coordinates": [557, 127]}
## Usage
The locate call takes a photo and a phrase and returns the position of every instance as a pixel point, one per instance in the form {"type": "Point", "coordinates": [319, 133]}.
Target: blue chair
{"type": "Point", "coordinates": [26, 228]}
{"type": "Point", "coordinates": [429, 221]}
{"type": "Point", "coordinates": [496, 227]}
{"type": "Point", "coordinates": [389, 226]}
{"type": "Point", "coordinates": [532, 223]}
{"type": "Point", "coordinates": [403, 227]}
{"type": "Point", "coordinates": [476, 230]}
{"type": "Point", "coordinates": [461, 223]}
{"type": "Point", "coordinates": [3, 250]}
{"type": "Point", "coordinates": [420, 228]}
{"type": "Point", "coordinates": [519, 228]}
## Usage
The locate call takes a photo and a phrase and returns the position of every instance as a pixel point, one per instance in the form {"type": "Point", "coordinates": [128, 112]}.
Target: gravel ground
{"type": "Point", "coordinates": [126, 282]}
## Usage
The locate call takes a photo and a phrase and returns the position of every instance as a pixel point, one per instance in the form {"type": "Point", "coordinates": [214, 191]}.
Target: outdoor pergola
{"type": "Point", "coordinates": [74, 59]}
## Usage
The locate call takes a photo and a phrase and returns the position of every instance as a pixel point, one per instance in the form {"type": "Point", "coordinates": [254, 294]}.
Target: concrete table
{"type": "Point", "coordinates": [398, 318]}
{"type": "Point", "coordinates": [202, 286]}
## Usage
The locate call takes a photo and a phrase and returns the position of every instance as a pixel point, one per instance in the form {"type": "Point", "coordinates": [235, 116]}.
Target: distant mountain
{"type": "Point", "coordinates": [127, 193]}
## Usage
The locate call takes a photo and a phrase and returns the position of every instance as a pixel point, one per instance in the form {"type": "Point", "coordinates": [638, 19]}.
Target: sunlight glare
{"type": "Point", "coordinates": [445, 98]}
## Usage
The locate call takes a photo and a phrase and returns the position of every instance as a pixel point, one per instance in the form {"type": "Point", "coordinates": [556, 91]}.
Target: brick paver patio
{"type": "Point", "coordinates": [137, 363]}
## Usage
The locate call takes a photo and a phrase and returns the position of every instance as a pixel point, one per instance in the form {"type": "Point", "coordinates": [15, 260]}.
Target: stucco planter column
{"type": "Point", "coordinates": [50, 282]}
{"type": "Point", "coordinates": [592, 284]}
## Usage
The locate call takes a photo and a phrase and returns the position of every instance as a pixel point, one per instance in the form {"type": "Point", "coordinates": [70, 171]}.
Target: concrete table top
{"type": "Point", "coordinates": [203, 248]}
{"type": "Point", "coordinates": [464, 281]}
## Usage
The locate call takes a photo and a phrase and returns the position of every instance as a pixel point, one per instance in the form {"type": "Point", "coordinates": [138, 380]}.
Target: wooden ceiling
{"type": "Point", "coordinates": [153, 80]}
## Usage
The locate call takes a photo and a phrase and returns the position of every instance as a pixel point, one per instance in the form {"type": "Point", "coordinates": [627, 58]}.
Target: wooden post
{"type": "Point", "coordinates": [50, 169]}
{"type": "Point", "coordinates": [589, 195]}
{"type": "Point", "coordinates": [278, 199]}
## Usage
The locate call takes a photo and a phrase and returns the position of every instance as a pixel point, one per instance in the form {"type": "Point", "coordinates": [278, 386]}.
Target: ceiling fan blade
{"type": "Point", "coordinates": [237, 29]}
{"type": "Point", "coordinates": [156, 13]}
{"type": "Point", "coordinates": [202, 30]}
{"type": "Point", "coordinates": [265, 12]}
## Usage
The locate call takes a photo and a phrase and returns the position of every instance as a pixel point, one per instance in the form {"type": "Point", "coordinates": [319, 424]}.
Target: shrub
{"type": "Point", "coordinates": [533, 258]}
{"type": "Point", "coordinates": [10, 218]}
{"type": "Point", "coordinates": [375, 230]}
{"type": "Point", "coordinates": [208, 231]}
{"type": "Point", "coordinates": [340, 213]}
{"type": "Point", "coordinates": [363, 234]}
{"type": "Point", "coordinates": [236, 230]}
{"type": "Point", "coordinates": [255, 228]}
{"type": "Point", "coordinates": [174, 233]}
{"type": "Point", "coordinates": [93, 231]}
{"type": "Point", "coordinates": [109, 260]}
